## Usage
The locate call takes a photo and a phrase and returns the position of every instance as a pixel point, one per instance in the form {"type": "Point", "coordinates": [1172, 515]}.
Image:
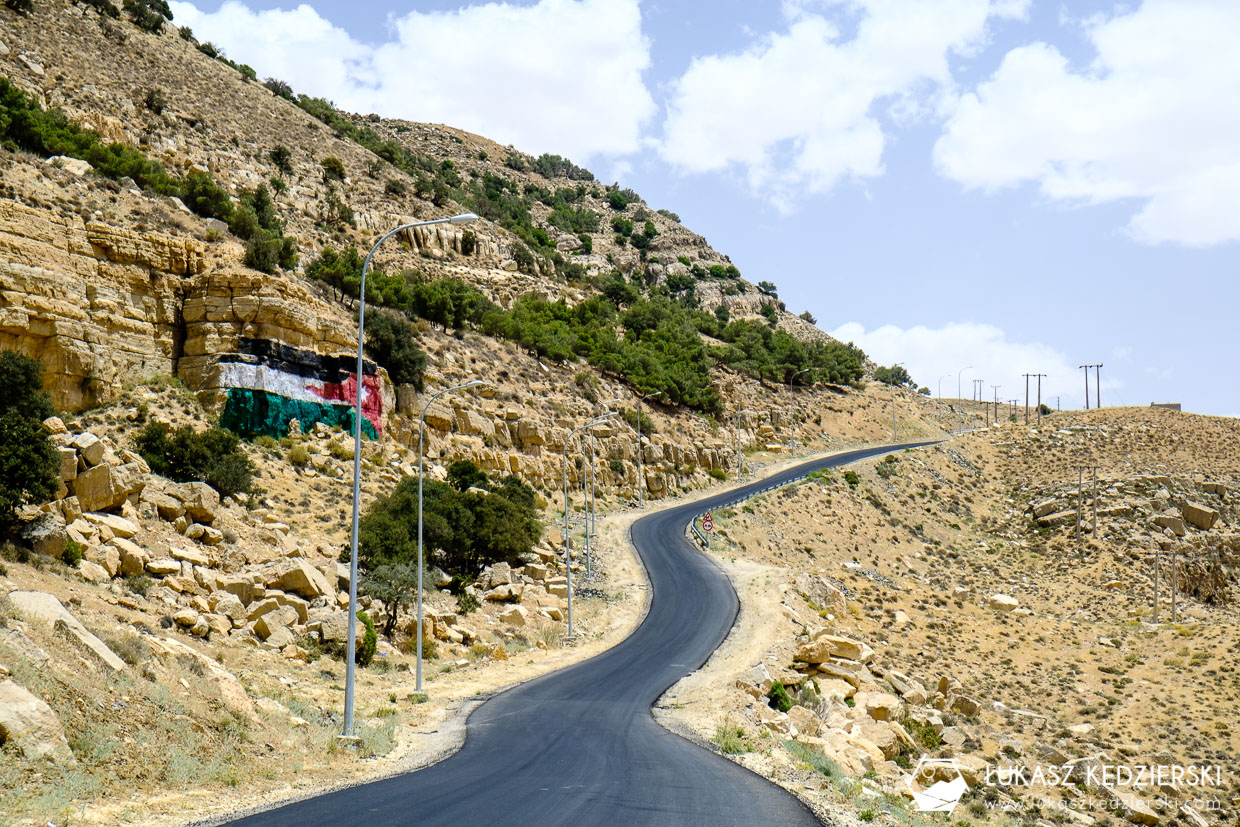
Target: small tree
{"type": "Point", "coordinates": [396, 585]}
{"type": "Point", "coordinates": [767, 288]}
{"type": "Point", "coordinates": [365, 651]}
{"type": "Point", "coordinates": [808, 317]}
{"type": "Point", "coordinates": [389, 338]}
{"type": "Point", "coordinates": [28, 461]}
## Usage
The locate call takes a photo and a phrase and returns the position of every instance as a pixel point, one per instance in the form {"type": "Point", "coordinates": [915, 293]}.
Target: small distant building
{"type": "Point", "coordinates": [1169, 406]}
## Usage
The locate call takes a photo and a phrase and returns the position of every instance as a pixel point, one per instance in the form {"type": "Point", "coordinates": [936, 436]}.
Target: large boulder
{"type": "Point", "coordinates": [32, 725]}
{"type": "Point", "coordinates": [46, 607]}
{"type": "Point", "coordinates": [97, 489]}
{"type": "Point", "coordinates": [230, 606]}
{"type": "Point", "coordinates": [46, 535]}
{"type": "Point", "coordinates": [225, 684]}
{"type": "Point", "coordinates": [1003, 602]}
{"type": "Point", "coordinates": [68, 463]}
{"type": "Point", "coordinates": [822, 595]}
{"type": "Point", "coordinates": [881, 706]}
{"type": "Point", "coordinates": [825, 646]}
{"type": "Point", "coordinates": [296, 575]}
{"type": "Point", "coordinates": [1200, 516]}
{"type": "Point", "coordinates": [90, 447]}
{"type": "Point", "coordinates": [105, 487]}
{"type": "Point", "coordinates": [201, 501]}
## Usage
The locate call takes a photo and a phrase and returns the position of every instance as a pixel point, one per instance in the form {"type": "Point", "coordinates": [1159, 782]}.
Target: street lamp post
{"type": "Point", "coordinates": [422, 453]}
{"type": "Point", "coordinates": [791, 413]}
{"type": "Point", "coordinates": [959, 409]}
{"type": "Point", "coordinates": [568, 557]}
{"type": "Point", "coordinates": [350, 667]}
{"type": "Point", "coordinates": [641, 479]}
{"type": "Point", "coordinates": [894, 436]}
{"type": "Point", "coordinates": [740, 470]}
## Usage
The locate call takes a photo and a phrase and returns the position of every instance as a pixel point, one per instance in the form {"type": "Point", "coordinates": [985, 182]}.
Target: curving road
{"type": "Point", "coordinates": [579, 746]}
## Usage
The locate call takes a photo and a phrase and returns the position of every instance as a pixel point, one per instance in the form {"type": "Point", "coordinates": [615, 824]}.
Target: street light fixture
{"type": "Point", "coordinates": [422, 453]}
{"type": "Point", "coordinates": [740, 470]}
{"type": "Point", "coordinates": [350, 666]}
{"type": "Point", "coordinates": [959, 409]}
{"type": "Point", "coordinates": [568, 557]}
{"type": "Point", "coordinates": [591, 498]}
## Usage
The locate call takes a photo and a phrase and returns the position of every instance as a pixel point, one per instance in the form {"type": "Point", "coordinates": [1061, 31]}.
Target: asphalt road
{"type": "Point", "coordinates": [580, 746]}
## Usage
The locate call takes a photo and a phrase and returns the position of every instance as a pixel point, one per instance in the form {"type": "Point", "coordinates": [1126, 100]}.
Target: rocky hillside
{"type": "Point", "coordinates": [109, 283]}
{"type": "Point", "coordinates": [940, 602]}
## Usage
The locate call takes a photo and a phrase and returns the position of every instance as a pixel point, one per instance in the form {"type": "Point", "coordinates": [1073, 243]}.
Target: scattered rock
{"type": "Point", "coordinates": [1003, 602]}
{"type": "Point", "coordinates": [32, 725]}
{"type": "Point", "coordinates": [46, 607]}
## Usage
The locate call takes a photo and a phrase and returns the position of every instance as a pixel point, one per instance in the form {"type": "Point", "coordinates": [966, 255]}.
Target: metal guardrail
{"type": "Point", "coordinates": [704, 540]}
{"type": "Point", "coordinates": [701, 538]}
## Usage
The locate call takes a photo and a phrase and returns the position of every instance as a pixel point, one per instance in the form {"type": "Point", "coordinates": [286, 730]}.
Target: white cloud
{"type": "Point", "coordinates": [797, 110]}
{"type": "Point", "coordinates": [561, 76]}
{"type": "Point", "coordinates": [1154, 117]}
{"type": "Point", "coordinates": [934, 354]}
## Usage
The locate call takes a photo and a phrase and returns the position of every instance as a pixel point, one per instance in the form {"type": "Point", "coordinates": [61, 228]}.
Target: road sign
{"type": "Point", "coordinates": [707, 523]}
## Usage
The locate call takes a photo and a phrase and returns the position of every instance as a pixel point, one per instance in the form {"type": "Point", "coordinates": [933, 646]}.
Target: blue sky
{"type": "Point", "coordinates": [1016, 185]}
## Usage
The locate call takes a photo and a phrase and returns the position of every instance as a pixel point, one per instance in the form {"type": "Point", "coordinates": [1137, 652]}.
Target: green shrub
{"type": "Point", "coordinates": [818, 761]}
{"type": "Point", "coordinates": [333, 168]}
{"type": "Point", "coordinates": [340, 450]}
{"type": "Point", "coordinates": [130, 648]}
{"type": "Point", "coordinates": [469, 243]}
{"type": "Point", "coordinates": [213, 456]}
{"type": "Point", "coordinates": [924, 734]}
{"type": "Point", "coordinates": [730, 738]}
{"type": "Point", "coordinates": [28, 461]}
{"type": "Point", "coordinates": [106, 8]}
{"type": "Point", "coordinates": [395, 187]}
{"type": "Point", "coordinates": [464, 475]}
{"type": "Point", "coordinates": [617, 467]}
{"type": "Point", "coordinates": [139, 584]}
{"type": "Point", "coordinates": [719, 473]}
{"type": "Point", "coordinates": [299, 455]}
{"type": "Point", "coordinates": [20, 6]}
{"type": "Point", "coordinates": [154, 100]}
{"type": "Point", "coordinates": [365, 649]}
{"type": "Point", "coordinates": [778, 697]}
{"type": "Point", "coordinates": [201, 194]}
{"type": "Point", "coordinates": [852, 479]}
{"type": "Point", "coordinates": [281, 158]}
{"type": "Point", "coordinates": [72, 555]}
{"type": "Point", "coordinates": [148, 15]}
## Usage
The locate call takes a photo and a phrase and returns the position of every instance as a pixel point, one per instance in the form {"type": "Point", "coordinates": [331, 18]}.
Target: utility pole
{"type": "Point", "coordinates": [1175, 579]}
{"type": "Point", "coordinates": [1013, 402]}
{"type": "Point", "coordinates": [1027, 375]}
{"type": "Point", "coordinates": [1156, 556]}
{"type": "Point", "coordinates": [1039, 375]}
{"type": "Point", "coordinates": [1086, 369]}
{"type": "Point", "coordinates": [1093, 496]}
{"type": "Point", "coordinates": [1097, 383]}
{"type": "Point", "coordinates": [996, 390]}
